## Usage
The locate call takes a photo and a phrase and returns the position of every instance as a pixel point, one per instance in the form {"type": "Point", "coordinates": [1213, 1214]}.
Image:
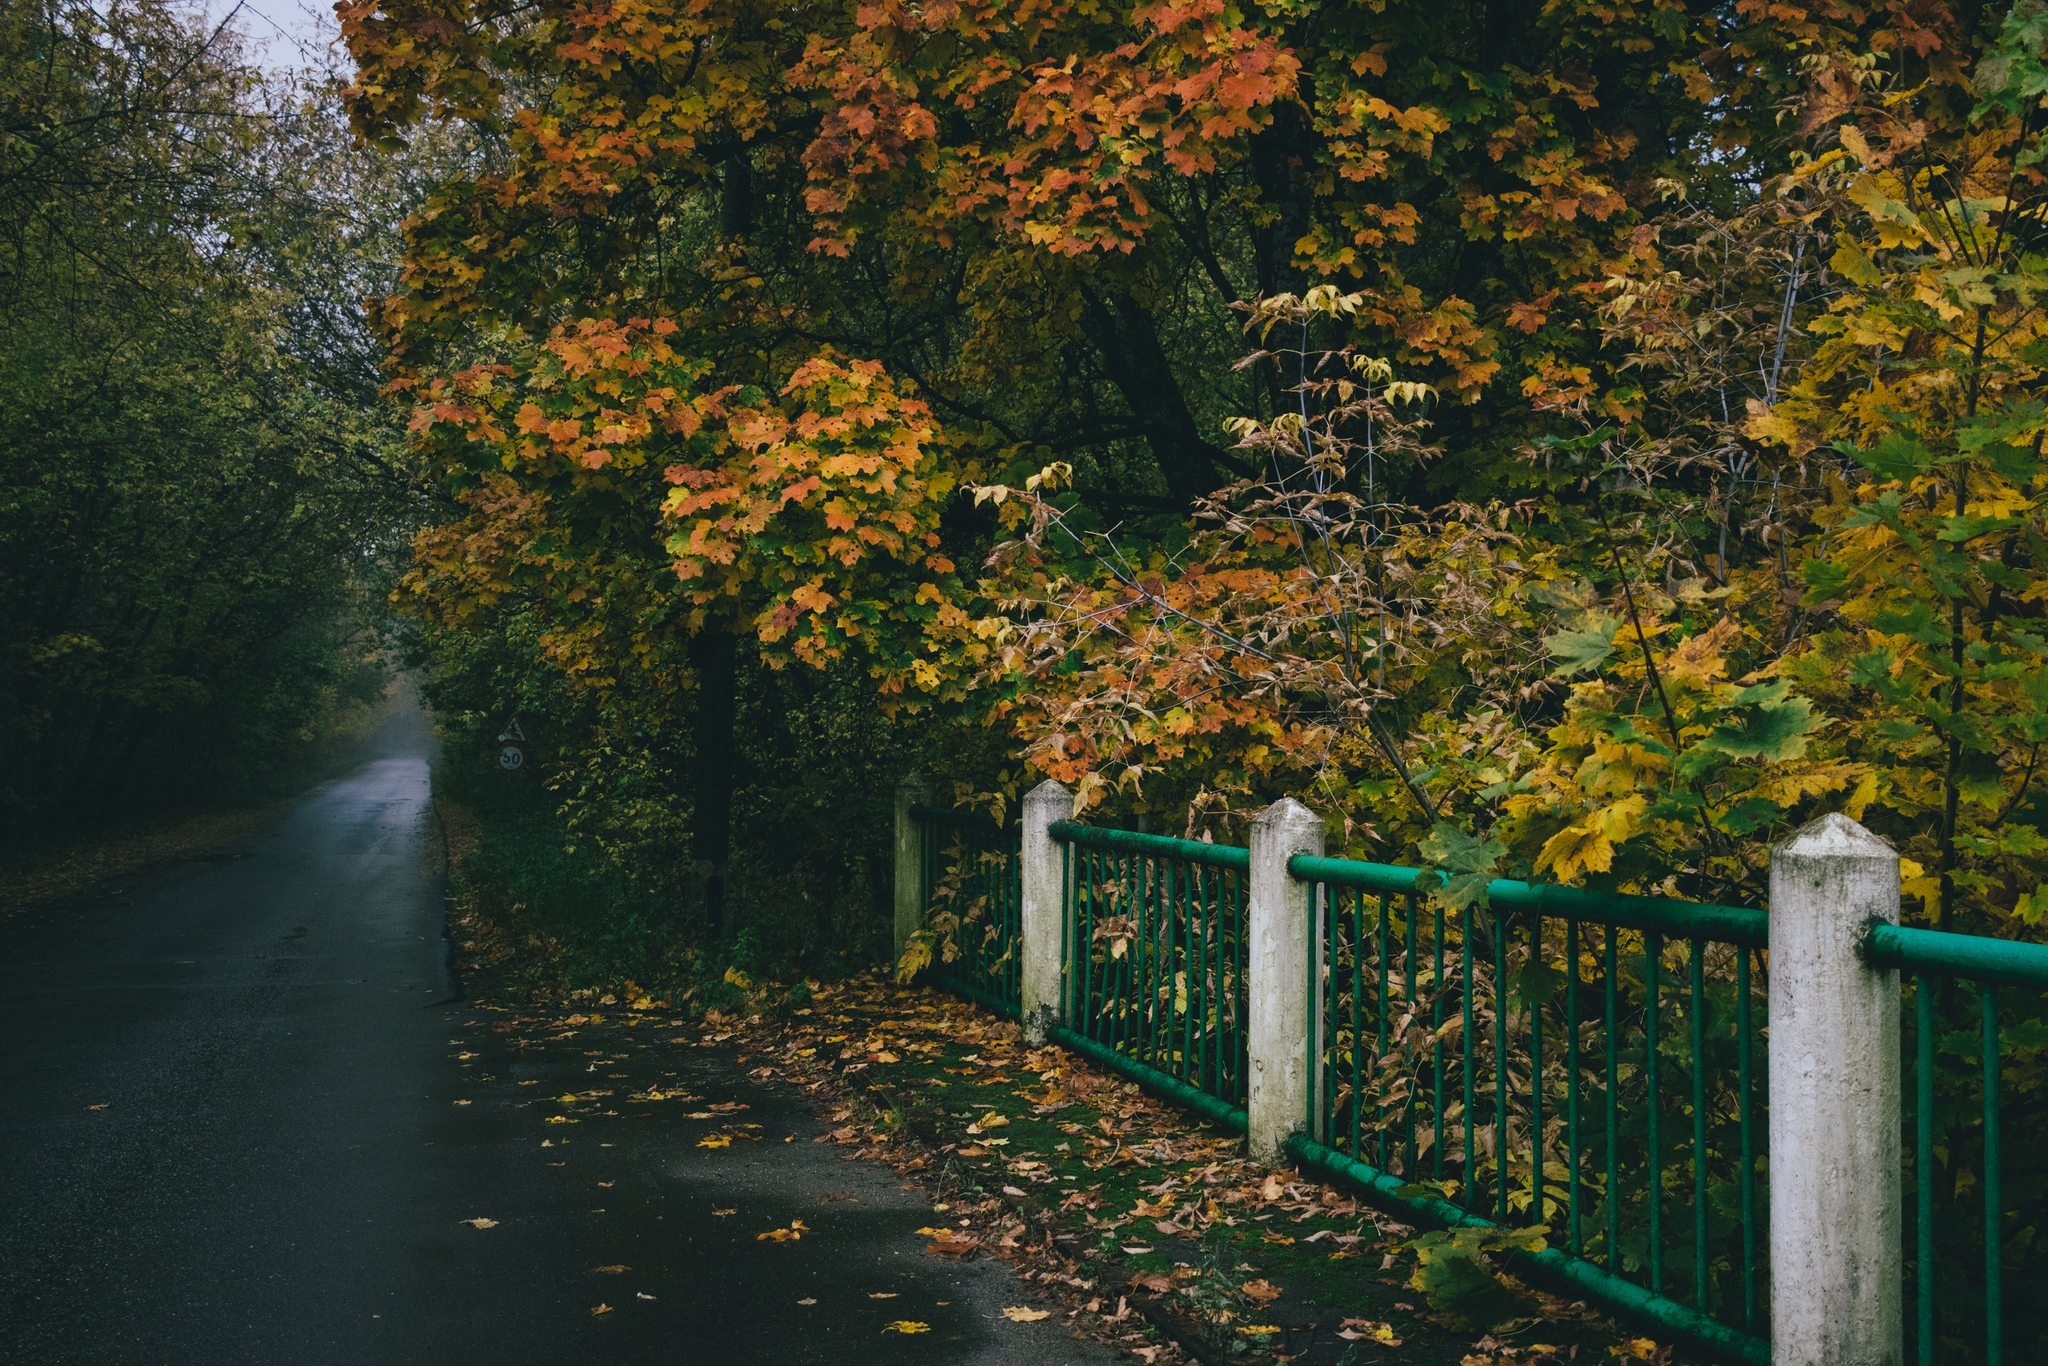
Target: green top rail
{"type": "Point", "coordinates": [1656, 914]}
{"type": "Point", "coordinates": [1977, 957]}
{"type": "Point", "coordinates": [1153, 846]}
{"type": "Point", "coordinates": [965, 820]}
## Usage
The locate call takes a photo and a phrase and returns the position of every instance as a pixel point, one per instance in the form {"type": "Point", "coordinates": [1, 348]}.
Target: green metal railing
{"type": "Point", "coordinates": [970, 870]}
{"type": "Point", "coordinates": [1587, 1063]}
{"type": "Point", "coordinates": [1592, 1063]}
{"type": "Point", "coordinates": [1960, 1309]}
{"type": "Point", "coordinates": [1154, 954]}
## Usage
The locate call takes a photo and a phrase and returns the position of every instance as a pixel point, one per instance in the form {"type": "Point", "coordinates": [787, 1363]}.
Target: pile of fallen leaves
{"type": "Point", "coordinates": [1140, 1223]}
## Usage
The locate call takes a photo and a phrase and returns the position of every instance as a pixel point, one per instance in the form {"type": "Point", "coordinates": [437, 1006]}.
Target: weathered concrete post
{"type": "Point", "coordinates": [909, 863]}
{"type": "Point", "coordinates": [1282, 950]}
{"type": "Point", "coordinates": [1834, 1053]}
{"type": "Point", "coordinates": [1043, 910]}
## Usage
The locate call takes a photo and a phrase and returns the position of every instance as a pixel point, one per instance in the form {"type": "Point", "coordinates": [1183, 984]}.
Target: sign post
{"type": "Point", "coordinates": [512, 746]}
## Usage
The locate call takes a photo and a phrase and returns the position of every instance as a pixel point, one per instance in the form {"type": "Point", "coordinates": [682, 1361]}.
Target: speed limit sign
{"type": "Point", "coordinates": [512, 746]}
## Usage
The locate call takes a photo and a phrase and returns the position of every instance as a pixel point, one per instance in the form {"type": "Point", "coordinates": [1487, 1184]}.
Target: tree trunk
{"type": "Point", "coordinates": [736, 200]}
{"type": "Point", "coordinates": [714, 654]}
{"type": "Point", "coordinates": [1123, 331]}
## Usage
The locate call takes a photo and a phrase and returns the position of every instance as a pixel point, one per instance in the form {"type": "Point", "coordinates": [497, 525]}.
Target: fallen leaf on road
{"type": "Point", "coordinates": [715, 1141]}
{"type": "Point", "coordinates": [1136, 1251]}
{"type": "Point", "coordinates": [1265, 1292]}
{"type": "Point", "coordinates": [782, 1235]}
{"type": "Point", "coordinates": [607, 1184]}
{"type": "Point", "coordinates": [726, 1107]}
{"type": "Point", "coordinates": [642, 1295]}
{"type": "Point", "coordinates": [612, 1270]}
{"type": "Point", "coordinates": [1278, 1239]}
{"type": "Point", "coordinates": [102, 1106]}
{"type": "Point", "coordinates": [700, 1114]}
{"type": "Point", "coordinates": [1023, 1315]}
{"type": "Point", "coordinates": [721, 1213]}
{"type": "Point", "coordinates": [949, 1243]}
{"type": "Point", "coordinates": [481, 1223]}
{"type": "Point", "coordinates": [807, 1301]}
{"type": "Point", "coordinates": [907, 1326]}
{"type": "Point", "coordinates": [1365, 1330]}
{"type": "Point", "coordinates": [1157, 1283]}
{"type": "Point", "coordinates": [1260, 1328]}
{"type": "Point", "coordinates": [1012, 1190]}
{"type": "Point", "coordinates": [601, 1309]}
{"type": "Point", "coordinates": [1272, 1189]}
{"type": "Point", "coordinates": [883, 1295]}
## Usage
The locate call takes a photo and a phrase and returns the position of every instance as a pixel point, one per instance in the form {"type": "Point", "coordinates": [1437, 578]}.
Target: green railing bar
{"type": "Point", "coordinates": [1574, 1239]}
{"type": "Point", "coordinates": [1436, 1042]}
{"type": "Point", "coordinates": [1977, 957]}
{"type": "Point", "coordinates": [1537, 1213]}
{"type": "Point", "coordinates": [1653, 964]}
{"type": "Point", "coordinates": [1994, 1215]}
{"type": "Point", "coordinates": [1380, 1037]}
{"type": "Point", "coordinates": [1465, 1035]}
{"type": "Point", "coordinates": [1153, 846]}
{"type": "Point", "coordinates": [1152, 1079]}
{"type": "Point", "coordinates": [1500, 1067]}
{"type": "Point", "coordinates": [1692, 1327]}
{"type": "Point", "coordinates": [1687, 919]}
{"type": "Point", "coordinates": [1702, 1267]}
{"type": "Point", "coordinates": [1408, 1003]}
{"type": "Point", "coordinates": [1745, 1107]}
{"type": "Point", "coordinates": [1613, 1249]}
{"type": "Point", "coordinates": [1923, 1165]}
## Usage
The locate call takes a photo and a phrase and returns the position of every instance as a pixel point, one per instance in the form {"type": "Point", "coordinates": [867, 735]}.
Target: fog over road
{"type": "Point", "coordinates": [238, 1127]}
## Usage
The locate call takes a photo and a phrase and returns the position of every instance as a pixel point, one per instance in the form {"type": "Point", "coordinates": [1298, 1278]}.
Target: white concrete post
{"type": "Point", "coordinates": [1043, 913]}
{"type": "Point", "coordinates": [909, 863]}
{"type": "Point", "coordinates": [1283, 948]}
{"type": "Point", "coordinates": [1834, 1052]}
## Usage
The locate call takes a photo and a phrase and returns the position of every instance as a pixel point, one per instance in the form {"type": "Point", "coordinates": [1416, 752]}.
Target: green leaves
{"type": "Point", "coordinates": [1451, 1271]}
{"type": "Point", "coordinates": [1467, 861]}
{"type": "Point", "coordinates": [2011, 77]}
{"type": "Point", "coordinates": [1577, 651]}
{"type": "Point", "coordinates": [1764, 723]}
{"type": "Point", "coordinates": [1897, 455]}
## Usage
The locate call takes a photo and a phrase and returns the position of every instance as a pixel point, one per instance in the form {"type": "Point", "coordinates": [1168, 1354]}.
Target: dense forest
{"type": "Point", "coordinates": [199, 492]}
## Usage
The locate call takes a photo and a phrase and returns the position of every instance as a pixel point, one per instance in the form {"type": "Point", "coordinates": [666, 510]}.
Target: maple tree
{"type": "Point", "coordinates": [1030, 235]}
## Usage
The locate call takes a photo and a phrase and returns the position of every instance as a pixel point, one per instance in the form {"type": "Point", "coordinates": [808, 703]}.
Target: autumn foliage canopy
{"type": "Point", "coordinates": [1584, 439]}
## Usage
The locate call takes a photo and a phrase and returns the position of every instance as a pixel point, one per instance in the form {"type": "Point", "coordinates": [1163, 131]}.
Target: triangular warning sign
{"type": "Point", "coordinates": [512, 731]}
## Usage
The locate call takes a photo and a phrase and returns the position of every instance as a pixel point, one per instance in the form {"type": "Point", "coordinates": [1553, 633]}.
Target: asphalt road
{"type": "Point", "coordinates": [245, 1114]}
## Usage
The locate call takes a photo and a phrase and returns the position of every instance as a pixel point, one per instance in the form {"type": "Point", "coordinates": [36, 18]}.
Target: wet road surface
{"type": "Point", "coordinates": [239, 1127]}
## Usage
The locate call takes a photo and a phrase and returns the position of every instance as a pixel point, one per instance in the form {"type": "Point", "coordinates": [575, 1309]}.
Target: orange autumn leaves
{"type": "Point", "coordinates": [817, 509]}
{"type": "Point", "coordinates": [1084, 108]}
{"type": "Point", "coordinates": [814, 511]}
